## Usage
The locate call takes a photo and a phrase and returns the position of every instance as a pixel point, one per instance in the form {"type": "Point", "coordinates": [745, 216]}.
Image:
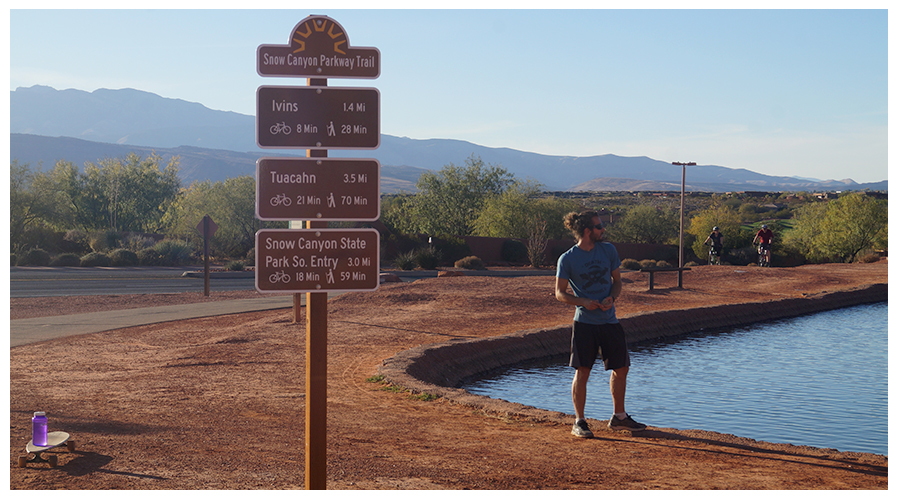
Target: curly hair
{"type": "Point", "coordinates": [578, 222]}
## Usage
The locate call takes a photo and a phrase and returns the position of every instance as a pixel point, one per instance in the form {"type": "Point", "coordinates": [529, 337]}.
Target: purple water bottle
{"type": "Point", "coordinates": [39, 429]}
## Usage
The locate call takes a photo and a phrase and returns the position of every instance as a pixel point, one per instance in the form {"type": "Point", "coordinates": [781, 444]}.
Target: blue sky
{"type": "Point", "coordinates": [781, 92]}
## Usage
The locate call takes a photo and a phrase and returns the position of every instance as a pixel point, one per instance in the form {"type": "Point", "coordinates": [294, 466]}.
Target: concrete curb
{"type": "Point", "coordinates": [439, 368]}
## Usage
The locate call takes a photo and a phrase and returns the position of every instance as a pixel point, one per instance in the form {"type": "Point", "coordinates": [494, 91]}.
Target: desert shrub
{"type": "Point", "coordinates": [451, 248]}
{"type": "Point", "coordinates": [514, 251]}
{"type": "Point", "coordinates": [631, 264]}
{"type": "Point", "coordinates": [648, 263]}
{"type": "Point", "coordinates": [122, 257]}
{"type": "Point", "coordinates": [693, 264]}
{"type": "Point", "coordinates": [406, 260]}
{"type": "Point", "coordinates": [234, 265]}
{"type": "Point", "coordinates": [173, 252]}
{"type": "Point", "coordinates": [470, 262]}
{"type": "Point", "coordinates": [34, 257]}
{"type": "Point", "coordinates": [95, 259]}
{"type": "Point", "coordinates": [428, 257]}
{"type": "Point", "coordinates": [662, 263]}
{"type": "Point", "coordinates": [75, 241]}
{"type": "Point", "coordinates": [148, 257]}
{"type": "Point", "coordinates": [66, 260]}
{"type": "Point", "coordinates": [137, 242]}
{"type": "Point", "coordinates": [869, 258]}
{"type": "Point", "coordinates": [103, 241]}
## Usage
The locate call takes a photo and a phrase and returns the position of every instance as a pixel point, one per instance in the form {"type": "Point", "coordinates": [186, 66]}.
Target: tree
{"type": "Point", "coordinates": [839, 230]}
{"type": "Point", "coordinates": [805, 237]}
{"type": "Point", "coordinates": [729, 222]}
{"type": "Point", "coordinates": [32, 202]}
{"type": "Point", "coordinates": [121, 194]}
{"type": "Point", "coordinates": [230, 203]}
{"type": "Point", "coordinates": [515, 212]}
{"type": "Point", "coordinates": [449, 201]}
{"type": "Point", "coordinates": [646, 224]}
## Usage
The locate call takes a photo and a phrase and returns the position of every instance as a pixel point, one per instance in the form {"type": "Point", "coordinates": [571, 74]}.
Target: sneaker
{"type": "Point", "coordinates": [581, 429]}
{"type": "Point", "coordinates": [625, 424]}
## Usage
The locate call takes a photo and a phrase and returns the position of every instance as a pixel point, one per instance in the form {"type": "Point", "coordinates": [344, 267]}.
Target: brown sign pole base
{"type": "Point", "coordinates": [316, 372]}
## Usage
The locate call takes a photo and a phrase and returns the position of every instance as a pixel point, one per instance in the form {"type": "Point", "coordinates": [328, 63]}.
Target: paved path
{"type": "Point", "coordinates": [27, 331]}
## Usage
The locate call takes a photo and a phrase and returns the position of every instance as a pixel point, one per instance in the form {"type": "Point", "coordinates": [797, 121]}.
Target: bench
{"type": "Point", "coordinates": [653, 270]}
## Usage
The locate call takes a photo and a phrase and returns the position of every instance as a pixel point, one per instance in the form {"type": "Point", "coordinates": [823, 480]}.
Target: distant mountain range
{"type": "Point", "coordinates": [48, 125]}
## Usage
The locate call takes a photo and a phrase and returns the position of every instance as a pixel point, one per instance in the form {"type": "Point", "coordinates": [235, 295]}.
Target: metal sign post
{"type": "Point", "coordinates": [207, 228]}
{"type": "Point", "coordinates": [315, 259]}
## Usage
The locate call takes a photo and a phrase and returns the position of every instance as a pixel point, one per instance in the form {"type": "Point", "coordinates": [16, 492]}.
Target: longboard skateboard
{"type": "Point", "coordinates": [54, 439]}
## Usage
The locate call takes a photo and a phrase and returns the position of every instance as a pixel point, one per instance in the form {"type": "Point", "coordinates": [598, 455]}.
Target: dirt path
{"type": "Point", "coordinates": [233, 387]}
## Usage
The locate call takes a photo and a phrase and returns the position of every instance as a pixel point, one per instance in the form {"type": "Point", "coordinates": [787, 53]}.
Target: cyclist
{"type": "Point", "coordinates": [717, 240]}
{"type": "Point", "coordinates": [765, 236]}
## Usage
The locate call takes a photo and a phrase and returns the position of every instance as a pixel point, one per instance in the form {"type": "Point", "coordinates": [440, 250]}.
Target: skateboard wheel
{"type": "Point", "coordinates": [53, 460]}
{"type": "Point", "coordinates": [70, 446]}
{"type": "Point", "coordinates": [23, 461]}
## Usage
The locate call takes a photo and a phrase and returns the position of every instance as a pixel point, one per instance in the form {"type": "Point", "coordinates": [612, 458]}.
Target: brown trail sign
{"type": "Point", "coordinates": [318, 189]}
{"type": "Point", "coordinates": [317, 260]}
{"type": "Point", "coordinates": [318, 48]}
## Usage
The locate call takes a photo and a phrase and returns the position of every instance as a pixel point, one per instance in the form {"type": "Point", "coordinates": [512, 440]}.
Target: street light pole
{"type": "Point", "coordinates": [681, 228]}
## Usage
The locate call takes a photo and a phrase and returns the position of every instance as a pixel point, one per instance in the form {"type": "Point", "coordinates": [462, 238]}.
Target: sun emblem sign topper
{"type": "Point", "coordinates": [318, 48]}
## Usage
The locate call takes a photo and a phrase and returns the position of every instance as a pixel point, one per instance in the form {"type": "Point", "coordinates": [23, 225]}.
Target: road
{"type": "Point", "coordinates": [49, 282]}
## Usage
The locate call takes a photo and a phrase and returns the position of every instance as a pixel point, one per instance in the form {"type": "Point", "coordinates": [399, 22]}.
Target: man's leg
{"type": "Point", "coordinates": [579, 390]}
{"type": "Point", "coordinates": [617, 388]}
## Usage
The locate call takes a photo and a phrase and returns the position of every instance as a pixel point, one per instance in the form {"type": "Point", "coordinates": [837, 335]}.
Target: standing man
{"type": "Point", "coordinates": [591, 268]}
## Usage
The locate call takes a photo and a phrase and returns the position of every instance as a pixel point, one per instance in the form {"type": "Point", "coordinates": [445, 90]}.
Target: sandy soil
{"type": "Point", "coordinates": [218, 403]}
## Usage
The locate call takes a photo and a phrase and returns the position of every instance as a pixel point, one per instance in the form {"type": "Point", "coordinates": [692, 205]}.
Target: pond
{"type": "Point", "coordinates": [818, 380]}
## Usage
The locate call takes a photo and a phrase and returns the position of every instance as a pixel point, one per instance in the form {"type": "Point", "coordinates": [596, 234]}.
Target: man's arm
{"type": "Point", "coordinates": [614, 292]}
{"type": "Point", "coordinates": [563, 295]}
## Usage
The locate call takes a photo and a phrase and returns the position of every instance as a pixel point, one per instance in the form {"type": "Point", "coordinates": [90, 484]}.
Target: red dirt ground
{"type": "Point", "coordinates": [218, 403]}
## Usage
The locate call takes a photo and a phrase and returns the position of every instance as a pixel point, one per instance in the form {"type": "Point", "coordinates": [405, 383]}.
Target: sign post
{"type": "Point", "coordinates": [207, 228]}
{"type": "Point", "coordinates": [315, 259]}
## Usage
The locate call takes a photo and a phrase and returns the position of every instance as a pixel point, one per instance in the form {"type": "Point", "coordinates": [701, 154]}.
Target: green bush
{"type": "Point", "coordinates": [34, 257]}
{"type": "Point", "coordinates": [173, 252]}
{"type": "Point", "coordinates": [234, 265]}
{"type": "Point", "coordinates": [122, 257]}
{"type": "Point", "coordinates": [148, 257]}
{"type": "Point", "coordinates": [451, 248]}
{"type": "Point", "coordinates": [470, 262]}
{"type": "Point", "coordinates": [406, 260]}
{"type": "Point", "coordinates": [95, 259]}
{"type": "Point", "coordinates": [428, 257]}
{"type": "Point", "coordinates": [103, 241]}
{"type": "Point", "coordinates": [648, 263]}
{"type": "Point", "coordinates": [514, 251]}
{"type": "Point", "coordinates": [75, 241]}
{"type": "Point", "coordinates": [66, 260]}
{"type": "Point", "coordinates": [631, 264]}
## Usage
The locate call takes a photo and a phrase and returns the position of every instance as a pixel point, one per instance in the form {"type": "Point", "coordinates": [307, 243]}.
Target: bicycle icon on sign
{"type": "Point", "coordinates": [279, 276]}
{"type": "Point", "coordinates": [280, 127]}
{"type": "Point", "coordinates": [280, 199]}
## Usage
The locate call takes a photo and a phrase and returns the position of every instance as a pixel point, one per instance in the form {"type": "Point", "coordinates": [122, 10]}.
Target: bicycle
{"type": "Point", "coordinates": [763, 257]}
{"type": "Point", "coordinates": [714, 258]}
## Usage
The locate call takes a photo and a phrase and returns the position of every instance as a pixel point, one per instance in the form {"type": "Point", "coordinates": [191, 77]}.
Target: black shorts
{"type": "Point", "coordinates": [607, 340]}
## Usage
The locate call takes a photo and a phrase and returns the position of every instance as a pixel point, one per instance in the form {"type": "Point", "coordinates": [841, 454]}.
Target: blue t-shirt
{"type": "Point", "coordinates": [590, 276]}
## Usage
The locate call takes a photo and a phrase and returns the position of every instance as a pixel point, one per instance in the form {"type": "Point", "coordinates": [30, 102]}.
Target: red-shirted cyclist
{"type": "Point", "coordinates": [765, 236]}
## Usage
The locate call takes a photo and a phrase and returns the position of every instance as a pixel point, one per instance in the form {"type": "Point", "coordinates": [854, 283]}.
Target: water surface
{"type": "Point", "coordinates": [817, 380]}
